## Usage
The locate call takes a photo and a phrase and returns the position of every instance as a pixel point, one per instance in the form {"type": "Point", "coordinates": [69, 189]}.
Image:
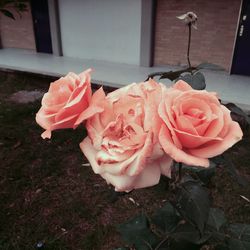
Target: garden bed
{"type": "Point", "coordinates": [50, 199]}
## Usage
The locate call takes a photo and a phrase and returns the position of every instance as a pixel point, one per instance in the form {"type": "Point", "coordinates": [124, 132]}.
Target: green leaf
{"type": "Point", "coordinates": [188, 232]}
{"type": "Point", "coordinates": [240, 237]}
{"type": "Point", "coordinates": [182, 245]}
{"type": "Point", "coordinates": [174, 75]}
{"type": "Point", "coordinates": [216, 218]}
{"type": "Point", "coordinates": [166, 218]}
{"type": "Point", "coordinates": [7, 13]}
{"type": "Point", "coordinates": [237, 113]}
{"type": "Point", "coordinates": [229, 166]}
{"type": "Point", "coordinates": [221, 246]}
{"type": "Point", "coordinates": [193, 203]}
{"type": "Point", "coordinates": [196, 81]}
{"type": "Point", "coordinates": [171, 75]}
{"type": "Point", "coordinates": [137, 232]}
{"type": "Point", "coordinates": [205, 174]}
{"type": "Point", "coordinates": [21, 7]}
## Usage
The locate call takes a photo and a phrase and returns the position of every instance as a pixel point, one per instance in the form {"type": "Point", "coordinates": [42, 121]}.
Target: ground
{"type": "Point", "coordinates": [50, 200]}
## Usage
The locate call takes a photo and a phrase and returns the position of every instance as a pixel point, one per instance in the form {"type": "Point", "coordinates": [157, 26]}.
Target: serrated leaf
{"type": "Point", "coordinates": [216, 218]}
{"type": "Point", "coordinates": [7, 13]}
{"type": "Point", "coordinates": [137, 232]}
{"type": "Point", "coordinates": [193, 203]}
{"type": "Point", "coordinates": [240, 237]}
{"type": "Point", "coordinates": [196, 81]}
{"type": "Point", "coordinates": [166, 218]}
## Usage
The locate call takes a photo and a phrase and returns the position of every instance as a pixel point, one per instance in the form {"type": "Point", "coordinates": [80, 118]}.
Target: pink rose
{"type": "Point", "coordinates": [65, 101]}
{"type": "Point", "coordinates": [196, 126]}
{"type": "Point", "coordinates": [122, 144]}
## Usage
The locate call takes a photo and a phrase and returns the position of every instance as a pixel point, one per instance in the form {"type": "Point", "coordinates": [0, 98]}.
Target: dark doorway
{"type": "Point", "coordinates": [241, 58]}
{"type": "Point", "coordinates": [40, 14]}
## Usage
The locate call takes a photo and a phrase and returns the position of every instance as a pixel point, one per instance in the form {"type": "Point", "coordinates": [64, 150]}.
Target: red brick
{"type": "Point", "coordinates": [213, 41]}
{"type": "Point", "coordinates": [17, 33]}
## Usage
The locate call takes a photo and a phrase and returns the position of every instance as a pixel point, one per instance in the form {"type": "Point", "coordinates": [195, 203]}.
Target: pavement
{"type": "Point", "coordinates": [230, 88]}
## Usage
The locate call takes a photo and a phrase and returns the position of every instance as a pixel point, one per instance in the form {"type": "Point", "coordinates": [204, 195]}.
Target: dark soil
{"type": "Point", "coordinates": [50, 201]}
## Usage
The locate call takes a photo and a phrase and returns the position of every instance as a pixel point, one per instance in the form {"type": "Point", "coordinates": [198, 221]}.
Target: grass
{"type": "Point", "coordinates": [50, 201]}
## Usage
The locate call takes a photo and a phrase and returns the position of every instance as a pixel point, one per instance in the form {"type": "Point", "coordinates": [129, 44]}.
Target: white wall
{"type": "Point", "coordinates": [107, 30]}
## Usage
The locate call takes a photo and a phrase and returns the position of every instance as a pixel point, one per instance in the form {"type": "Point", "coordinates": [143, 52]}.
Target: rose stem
{"type": "Point", "coordinates": [180, 168]}
{"type": "Point", "coordinates": [189, 42]}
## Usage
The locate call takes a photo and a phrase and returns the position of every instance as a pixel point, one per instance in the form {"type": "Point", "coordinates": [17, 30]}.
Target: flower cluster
{"type": "Point", "coordinates": [135, 132]}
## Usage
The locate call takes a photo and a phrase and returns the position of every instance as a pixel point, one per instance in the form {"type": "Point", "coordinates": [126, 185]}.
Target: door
{"type": "Point", "coordinates": [241, 58]}
{"type": "Point", "coordinates": [40, 14]}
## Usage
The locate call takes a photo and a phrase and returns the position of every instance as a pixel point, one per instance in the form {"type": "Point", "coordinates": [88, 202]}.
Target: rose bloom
{"type": "Point", "coordinates": [122, 144]}
{"type": "Point", "coordinates": [65, 101]}
{"type": "Point", "coordinates": [196, 126]}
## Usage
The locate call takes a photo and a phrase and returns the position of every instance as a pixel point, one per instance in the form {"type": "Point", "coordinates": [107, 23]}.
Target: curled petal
{"type": "Point", "coordinates": [218, 147]}
{"type": "Point", "coordinates": [177, 154]}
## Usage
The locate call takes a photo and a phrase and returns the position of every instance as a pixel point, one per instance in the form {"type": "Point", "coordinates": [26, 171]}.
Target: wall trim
{"type": "Point", "coordinates": [55, 27]}
{"type": "Point", "coordinates": [235, 37]}
{"type": "Point", "coordinates": [147, 29]}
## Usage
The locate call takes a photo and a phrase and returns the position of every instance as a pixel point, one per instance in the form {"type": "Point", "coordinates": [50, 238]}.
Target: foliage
{"type": "Point", "coordinates": [188, 222]}
{"type": "Point", "coordinates": [18, 5]}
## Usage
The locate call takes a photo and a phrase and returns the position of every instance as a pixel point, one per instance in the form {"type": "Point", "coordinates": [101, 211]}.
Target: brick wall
{"type": "Point", "coordinates": [17, 33]}
{"type": "Point", "coordinates": [213, 41]}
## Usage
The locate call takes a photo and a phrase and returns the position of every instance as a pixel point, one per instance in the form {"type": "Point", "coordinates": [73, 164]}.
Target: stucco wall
{"type": "Point", "coordinates": [103, 30]}
{"type": "Point", "coordinates": [212, 42]}
{"type": "Point", "coordinates": [17, 33]}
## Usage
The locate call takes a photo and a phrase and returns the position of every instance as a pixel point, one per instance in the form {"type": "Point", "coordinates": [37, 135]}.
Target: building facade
{"type": "Point", "coordinates": [136, 32]}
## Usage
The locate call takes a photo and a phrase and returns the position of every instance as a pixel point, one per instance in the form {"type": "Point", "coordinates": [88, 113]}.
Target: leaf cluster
{"type": "Point", "coordinates": [187, 222]}
{"type": "Point", "coordinates": [18, 5]}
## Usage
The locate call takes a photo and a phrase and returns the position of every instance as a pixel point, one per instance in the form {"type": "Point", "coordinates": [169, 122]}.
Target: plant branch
{"type": "Point", "coordinates": [180, 170]}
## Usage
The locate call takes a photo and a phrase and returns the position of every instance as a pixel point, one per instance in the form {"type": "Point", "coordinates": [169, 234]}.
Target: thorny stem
{"type": "Point", "coordinates": [189, 42]}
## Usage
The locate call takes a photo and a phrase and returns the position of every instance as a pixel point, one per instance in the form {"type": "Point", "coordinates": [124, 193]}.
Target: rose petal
{"type": "Point", "coordinates": [216, 148]}
{"type": "Point", "coordinates": [149, 177]}
{"type": "Point", "coordinates": [193, 141]}
{"type": "Point", "coordinates": [163, 114]}
{"type": "Point", "coordinates": [43, 119]}
{"type": "Point", "coordinates": [87, 113]}
{"type": "Point", "coordinates": [165, 165]}
{"type": "Point", "coordinates": [182, 86]}
{"type": "Point", "coordinates": [176, 153]}
{"type": "Point", "coordinates": [67, 122]}
{"type": "Point", "coordinates": [138, 164]}
{"type": "Point", "coordinates": [46, 134]}
{"type": "Point", "coordinates": [90, 153]}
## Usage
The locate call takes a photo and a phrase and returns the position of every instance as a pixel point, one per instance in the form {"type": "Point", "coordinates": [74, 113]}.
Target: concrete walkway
{"type": "Point", "coordinates": [230, 88]}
